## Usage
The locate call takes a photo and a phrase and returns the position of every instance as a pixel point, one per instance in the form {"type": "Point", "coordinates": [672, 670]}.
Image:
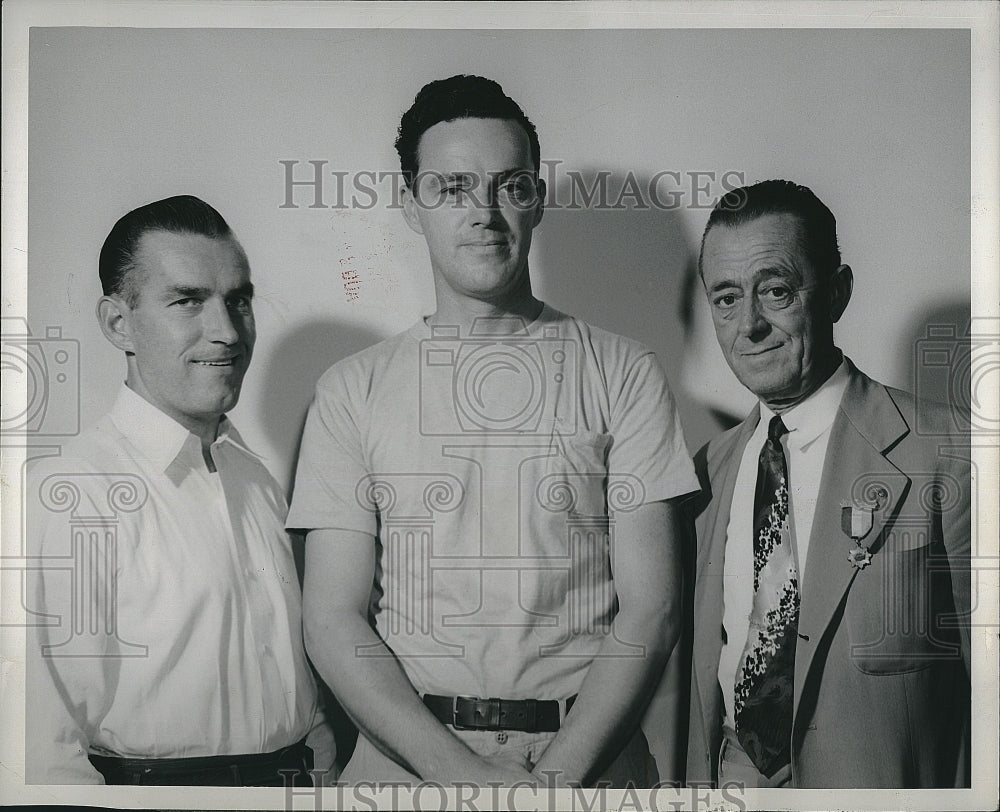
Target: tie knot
{"type": "Point", "coordinates": [776, 429]}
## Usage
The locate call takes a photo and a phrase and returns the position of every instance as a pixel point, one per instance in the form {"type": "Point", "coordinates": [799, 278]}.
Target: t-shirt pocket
{"type": "Point", "coordinates": [574, 476]}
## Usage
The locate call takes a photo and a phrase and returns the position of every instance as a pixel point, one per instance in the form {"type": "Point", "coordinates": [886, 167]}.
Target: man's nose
{"type": "Point", "coordinates": [752, 322]}
{"type": "Point", "coordinates": [484, 208]}
{"type": "Point", "coordinates": [219, 325]}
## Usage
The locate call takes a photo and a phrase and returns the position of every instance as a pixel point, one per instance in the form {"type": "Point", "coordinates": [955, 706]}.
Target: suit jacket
{"type": "Point", "coordinates": [881, 690]}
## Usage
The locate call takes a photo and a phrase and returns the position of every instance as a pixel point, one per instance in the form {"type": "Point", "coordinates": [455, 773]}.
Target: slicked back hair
{"type": "Point", "coordinates": [454, 98]}
{"type": "Point", "coordinates": [183, 214]}
{"type": "Point", "coordinates": [818, 226]}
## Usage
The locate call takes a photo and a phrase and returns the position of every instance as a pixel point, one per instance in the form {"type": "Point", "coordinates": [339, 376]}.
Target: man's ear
{"type": "Point", "coordinates": [841, 286]}
{"type": "Point", "coordinates": [540, 206]}
{"type": "Point", "coordinates": [113, 316]}
{"type": "Point", "coordinates": [410, 210]}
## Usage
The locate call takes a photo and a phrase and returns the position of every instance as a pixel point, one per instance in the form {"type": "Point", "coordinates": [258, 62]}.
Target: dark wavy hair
{"type": "Point", "coordinates": [449, 99]}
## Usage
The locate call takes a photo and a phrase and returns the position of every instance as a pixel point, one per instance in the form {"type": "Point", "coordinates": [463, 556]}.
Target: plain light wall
{"type": "Point", "coordinates": [877, 123]}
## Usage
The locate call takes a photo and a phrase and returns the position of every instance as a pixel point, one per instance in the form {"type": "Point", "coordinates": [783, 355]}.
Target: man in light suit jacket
{"type": "Point", "coordinates": [832, 589]}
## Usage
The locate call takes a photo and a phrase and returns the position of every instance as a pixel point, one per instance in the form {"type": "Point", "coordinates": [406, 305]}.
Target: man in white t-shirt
{"type": "Point", "coordinates": [492, 578]}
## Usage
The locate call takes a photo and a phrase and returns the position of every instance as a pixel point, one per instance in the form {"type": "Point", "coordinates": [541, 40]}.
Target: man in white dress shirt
{"type": "Point", "coordinates": [831, 633]}
{"type": "Point", "coordinates": [169, 651]}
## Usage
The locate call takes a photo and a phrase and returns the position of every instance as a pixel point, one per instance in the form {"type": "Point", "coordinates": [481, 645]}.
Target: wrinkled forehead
{"type": "Point", "coordinates": [167, 257]}
{"type": "Point", "coordinates": [768, 244]}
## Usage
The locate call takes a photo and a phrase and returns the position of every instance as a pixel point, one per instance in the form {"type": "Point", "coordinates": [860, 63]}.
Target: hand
{"type": "Point", "coordinates": [551, 778]}
{"type": "Point", "coordinates": [500, 770]}
{"type": "Point", "coordinates": [555, 772]}
{"type": "Point", "coordinates": [519, 763]}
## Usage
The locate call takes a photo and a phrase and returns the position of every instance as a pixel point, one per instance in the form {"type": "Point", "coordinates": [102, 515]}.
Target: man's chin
{"type": "Point", "coordinates": [767, 385]}
{"type": "Point", "coordinates": [224, 402]}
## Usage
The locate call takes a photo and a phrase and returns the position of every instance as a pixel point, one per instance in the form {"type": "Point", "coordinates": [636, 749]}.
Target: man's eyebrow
{"type": "Point", "coordinates": [507, 174]}
{"type": "Point", "coordinates": [452, 177]}
{"type": "Point", "coordinates": [759, 275]}
{"type": "Point", "coordinates": [778, 272]}
{"type": "Point", "coordinates": [185, 292]}
{"type": "Point", "coordinates": [723, 284]}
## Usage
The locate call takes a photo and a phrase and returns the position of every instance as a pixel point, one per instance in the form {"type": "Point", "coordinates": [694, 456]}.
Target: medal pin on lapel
{"type": "Point", "coordinates": [857, 522]}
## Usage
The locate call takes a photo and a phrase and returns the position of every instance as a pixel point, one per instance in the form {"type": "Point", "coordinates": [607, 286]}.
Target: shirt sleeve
{"type": "Point", "coordinates": [324, 746]}
{"type": "Point", "coordinates": [331, 479]}
{"type": "Point", "coordinates": [648, 450]}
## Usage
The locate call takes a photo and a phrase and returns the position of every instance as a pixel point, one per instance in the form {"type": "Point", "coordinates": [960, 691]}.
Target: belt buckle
{"type": "Point", "coordinates": [486, 713]}
{"type": "Point", "coordinates": [455, 723]}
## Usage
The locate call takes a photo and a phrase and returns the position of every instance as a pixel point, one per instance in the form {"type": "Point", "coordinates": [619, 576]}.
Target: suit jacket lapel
{"type": "Point", "coordinates": [856, 472]}
{"type": "Point", "coordinates": [711, 557]}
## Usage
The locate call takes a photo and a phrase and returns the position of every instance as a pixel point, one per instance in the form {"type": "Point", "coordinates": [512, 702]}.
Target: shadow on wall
{"type": "Point", "coordinates": [938, 352]}
{"type": "Point", "coordinates": [292, 370]}
{"type": "Point", "coordinates": [631, 271]}
{"type": "Point", "coordinates": [299, 359]}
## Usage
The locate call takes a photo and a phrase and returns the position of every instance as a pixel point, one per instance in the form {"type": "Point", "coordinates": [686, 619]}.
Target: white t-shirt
{"type": "Point", "coordinates": [487, 466]}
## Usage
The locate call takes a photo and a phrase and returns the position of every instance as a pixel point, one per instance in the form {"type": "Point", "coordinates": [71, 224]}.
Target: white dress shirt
{"type": "Point", "coordinates": [805, 446]}
{"type": "Point", "coordinates": [175, 629]}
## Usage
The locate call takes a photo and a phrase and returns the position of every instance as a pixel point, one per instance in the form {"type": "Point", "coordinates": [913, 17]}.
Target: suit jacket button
{"type": "Point", "coordinates": [502, 737]}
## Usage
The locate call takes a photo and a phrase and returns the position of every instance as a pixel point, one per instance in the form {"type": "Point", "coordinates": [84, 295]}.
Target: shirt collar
{"type": "Point", "coordinates": [229, 434]}
{"type": "Point", "coordinates": [485, 329]}
{"type": "Point", "coordinates": [809, 419]}
{"type": "Point", "coordinates": [158, 437]}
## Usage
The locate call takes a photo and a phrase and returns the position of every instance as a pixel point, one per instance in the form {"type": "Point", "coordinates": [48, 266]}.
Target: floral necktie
{"type": "Point", "coordinates": [764, 679]}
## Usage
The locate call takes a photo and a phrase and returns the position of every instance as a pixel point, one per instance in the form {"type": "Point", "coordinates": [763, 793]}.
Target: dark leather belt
{"type": "Point", "coordinates": [252, 770]}
{"type": "Point", "coordinates": [471, 713]}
